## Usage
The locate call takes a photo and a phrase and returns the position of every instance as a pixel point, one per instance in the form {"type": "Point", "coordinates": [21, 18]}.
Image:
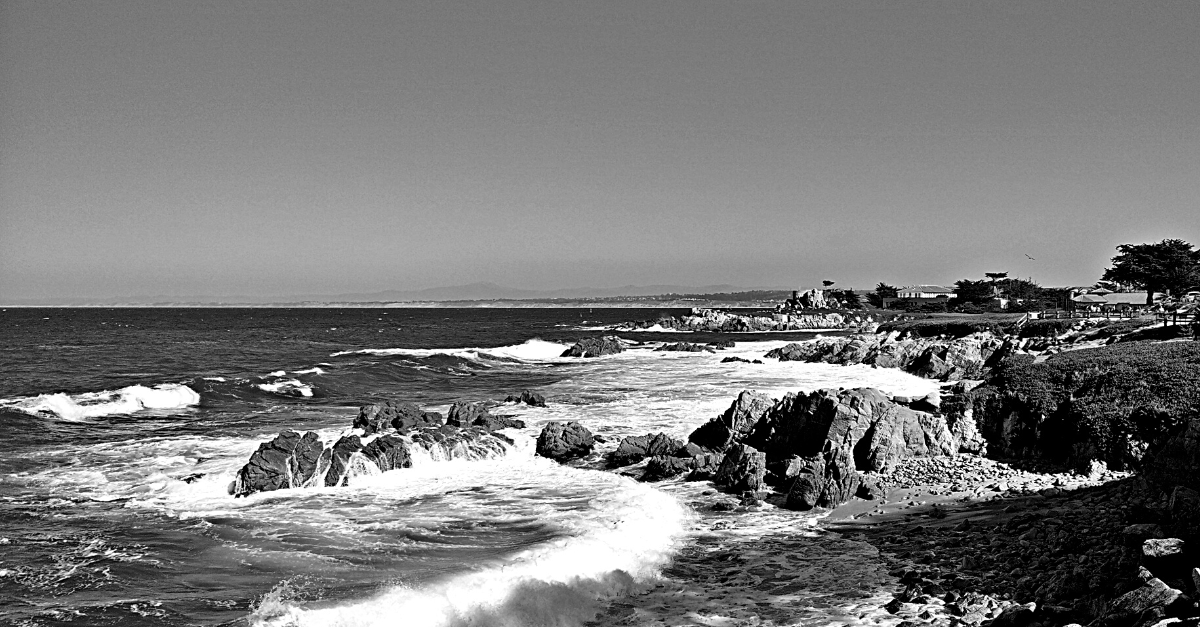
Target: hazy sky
{"type": "Point", "coordinates": [281, 147]}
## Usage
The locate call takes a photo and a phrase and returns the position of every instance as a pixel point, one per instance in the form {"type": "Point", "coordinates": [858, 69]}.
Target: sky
{"type": "Point", "coordinates": [273, 148]}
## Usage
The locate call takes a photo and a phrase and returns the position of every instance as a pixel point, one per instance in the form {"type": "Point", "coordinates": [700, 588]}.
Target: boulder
{"type": "Point", "coordinates": [466, 414]}
{"type": "Point", "coordinates": [1154, 594]}
{"type": "Point", "coordinates": [290, 460]}
{"type": "Point", "coordinates": [737, 421]}
{"type": "Point", "coordinates": [742, 470]}
{"type": "Point", "coordinates": [339, 462]}
{"type": "Point", "coordinates": [562, 441]}
{"type": "Point", "coordinates": [595, 347]}
{"type": "Point", "coordinates": [492, 422]}
{"type": "Point", "coordinates": [388, 452]}
{"type": "Point", "coordinates": [402, 416]}
{"type": "Point", "coordinates": [529, 398]}
{"type": "Point", "coordinates": [666, 466]}
{"type": "Point", "coordinates": [1164, 557]}
{"type": "Point", "coordinates": [634, 449]}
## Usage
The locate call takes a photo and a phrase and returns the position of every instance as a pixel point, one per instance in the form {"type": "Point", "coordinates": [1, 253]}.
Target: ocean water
{"type": "Point", "coordinates": [121, 429]}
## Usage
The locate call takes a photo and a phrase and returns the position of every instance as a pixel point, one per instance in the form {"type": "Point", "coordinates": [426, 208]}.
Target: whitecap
{"type": "Point", "coordinates": [127, 400]}
{"type": "Point", "coordinates": [532, 350]}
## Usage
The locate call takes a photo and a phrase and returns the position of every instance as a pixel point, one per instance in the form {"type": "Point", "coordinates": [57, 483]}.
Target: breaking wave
{"type": "Point", "coordinates": [532, 350]}
{"type": "Point", "coordinates": [127, 400]}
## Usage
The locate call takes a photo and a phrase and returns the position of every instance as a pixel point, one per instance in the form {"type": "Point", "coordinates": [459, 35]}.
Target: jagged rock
{"type": "Point", "coordinates": [730, 360]}
{"type": "Point", "coordinates": [634, 449]}
{"type": "Point", "coordinates": [1016, 616]}
{"type": "Point", "coordinates": [595, 347]}
{"type": "Point", "coordinates": [722, 344]}
{"type": "Point", "coordinates": [563, 441]}
{"type": "Point", "coordinates": [492, 422]}
{"type": "Point", "coordinates": [742, 470]}
{"type": "Point", "coordinates": [666, 466]}
{"type": "Point", "coordinates": [377, 417]}
{"type": "Point", "coordinates": [717, 321]}
{"type": "Point", "coordinates": [466, 414]}
{"type": "Point", "coordinates": [737, 421]}
{"type": "Point", "coordinates": [287, 461]}
{"type": "Point", "coordinates": [1155, 594]}
{"type": "Point", "coordinates": [685, 347]}
{"type": "Point", "coordinates": [1165, 558]}
{"type": "Point", "coordinates": [704, 466]}
{"type": "Point", "coordinates": [529, 398]}
{"type": "Point", "coordinates": [388, 452]}
{"type": "Point", "coordinates": [339, 462]}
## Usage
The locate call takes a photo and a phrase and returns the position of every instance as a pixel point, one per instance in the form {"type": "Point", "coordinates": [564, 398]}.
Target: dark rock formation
{"type": "Point", "coordinates": [562, 441]}
{"type": "Point", "coordinates": [388, 452]}
{"type": "Point", "coordinates": [288, 461]}
{"type": "Point", "coordinates": [718, 433]}
{"type": "Point", "coordinates": [742, 470]}
{"type": "Point", "coordinates": [492, 422]}
{"type": "Point", "coordinates": [634, 449]}
{"type": "Point", "coordinates": [932, 358]}
{"type": "Point", "coordinates": [595, 347]}
{"type": "Point", "coordinates": [528, 397]}
{"type": "Point", "coordinates": [722, 344]}
{"type": "Point", "coordinates": [666, 466]}
{"type": "Point", "coordinates": [339, 463]}
{"type": "Point", "coordinates": [402, 416]}
{"type": "Point", "coordinates": [465, 414]}
{"type": "Point", "coordinates": [685, 347]}
{"type": "Point", "coordinates": [730, 360]}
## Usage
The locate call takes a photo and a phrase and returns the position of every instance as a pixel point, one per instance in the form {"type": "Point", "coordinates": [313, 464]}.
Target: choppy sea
{"type": "Point", "coordinates": [121, 429]}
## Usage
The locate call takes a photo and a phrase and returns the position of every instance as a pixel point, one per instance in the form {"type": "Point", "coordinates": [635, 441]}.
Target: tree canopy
{"type": "Point", "coordinates": [1170, 266]}
{"type": "Point", "coordinates": [977, 292]}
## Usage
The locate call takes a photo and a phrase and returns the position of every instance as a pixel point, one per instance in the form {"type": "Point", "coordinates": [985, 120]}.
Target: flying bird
{"type": "Point", "coordinates": [1027, 255]}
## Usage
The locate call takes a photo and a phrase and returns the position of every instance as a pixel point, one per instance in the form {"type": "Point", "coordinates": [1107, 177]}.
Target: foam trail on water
{"type": "Point", "coordinates": [287, 387]}
{"type": "Point", "coordinates": [613, 545]}
{"type": "Point", "coordinates": [126, 400]}
{"type": "Point", "coordinates": [532, 350]}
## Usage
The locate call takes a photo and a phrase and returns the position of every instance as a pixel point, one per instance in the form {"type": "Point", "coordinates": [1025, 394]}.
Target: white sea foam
{"type": "Point", "coordinates": [611, 543]}
{"type": "Point", "coordinates": [532, 350]}
{"type": "Point", "coordinates": [127, 400]}
{"type": "Point", "coordinates": [313, 370]}
{"type": "Point", "coordinates": [287, 387]}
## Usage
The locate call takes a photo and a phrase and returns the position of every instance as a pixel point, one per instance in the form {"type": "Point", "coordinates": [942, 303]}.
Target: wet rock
{"type": "Point", "coordinates": [1154, 594]}
{"type": "Point", "coordinates": [742, 470]}
{"type": "Point", "coordinates": [339, 462]}
{"type": "Point", "coordinates": [595, 347]}
{"type": "Point", "coordinates": [388, 452]}
{"type": "Point", "coordinates": [1016, 616]}
{"type": "Point", "coordinates": [378, 417]}
{"type": "Point", "coordinates": [562, 441]}
{"type": "Point", "coordinates": [722, 344]}
{"type": "Point", "coordinates": [290, 460]}
{"type": "Point", "coordinates": [466, 414]}
{"type": "Point", "coordinates": [732, 360]}
{"type": "Point", "coordinates": [528, 397]}
{"type": "Point", "coordinates": [685, 347]}
{"type": "Point", "coordinates": [666, 466]}
{"type": "Point", "coordinates": [492, 422]}
{"type": "Point", "coordinates": [634, 449]}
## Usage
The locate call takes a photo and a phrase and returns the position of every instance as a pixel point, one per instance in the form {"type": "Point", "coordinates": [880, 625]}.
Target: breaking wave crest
{"type": "Point", "coordinates": [532, 350]}
{"type": "Point", "coordinates": [127, 400]}
{"type": "Point", "coordinates": [612, 545]}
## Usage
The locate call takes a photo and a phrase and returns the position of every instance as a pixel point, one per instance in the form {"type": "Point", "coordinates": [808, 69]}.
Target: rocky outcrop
{"type": "Point", "coordinates": [816, 447]}
{"type": "Point", "coordinates": [595, 347]}
{"type": "Point", "coordinates": [465, 414]}
{"type": "Point", "coordinates": [685, 347]}
{"type": "Point", "coordinates": [742, 470]}
{"type": "Point", "coordinates": [563, 441]}
{"type": "Point", "coordinates": [720, 432]}
{"type": "Point", "coordinates": [634, 449]}
{"type": "Point", "coordinates": [528, 397]}
{"type": "Point", "coordinates": [717, 321]}
{"type": "Point", "coordinates": [932, 358]}
{"type": "Point", "coordinates": [380, 417]}
{"type": "Point", "coordinates": [666, 466]}
{"type": "Point", "coordinates": [290, 460]}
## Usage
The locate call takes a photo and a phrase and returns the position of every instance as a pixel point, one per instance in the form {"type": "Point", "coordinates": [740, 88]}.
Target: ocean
{"type": "Point", "coordinates": [121, 430]}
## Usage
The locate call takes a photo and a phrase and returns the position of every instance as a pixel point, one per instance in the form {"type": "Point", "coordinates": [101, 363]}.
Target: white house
{"type": "Point", "coordinates": [925, 292]}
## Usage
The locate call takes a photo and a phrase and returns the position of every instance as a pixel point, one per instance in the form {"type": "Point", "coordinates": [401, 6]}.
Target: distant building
{"type": "Point", "coordinates": [925, 292]}
{"type": "Point", "coordinates": [1104, 300]}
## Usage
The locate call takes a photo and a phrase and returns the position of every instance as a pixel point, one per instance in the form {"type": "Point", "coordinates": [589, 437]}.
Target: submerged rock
{"type": "Point", "coordinates": [529, 398]}
{"type": "Point", "coordinates": [562, 441]}
{"type": "Point", "coordinates": [685, 347]}
{"type": "Point", "coordinates": [290, 460]}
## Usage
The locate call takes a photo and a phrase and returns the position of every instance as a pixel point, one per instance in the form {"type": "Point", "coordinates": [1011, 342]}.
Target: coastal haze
{"type": "Point", "coordinates": [199, 150]}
